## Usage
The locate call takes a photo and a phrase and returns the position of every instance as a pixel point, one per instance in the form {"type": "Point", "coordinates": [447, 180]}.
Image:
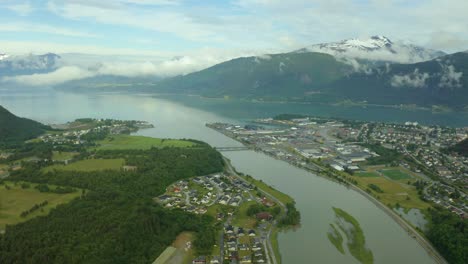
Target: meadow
{"type": "Point", "coordinates": [119, 142]}
{"type": "Point", "coordinates": [15, 199]}
{"type": "Point", "coordinates": [89, 165]}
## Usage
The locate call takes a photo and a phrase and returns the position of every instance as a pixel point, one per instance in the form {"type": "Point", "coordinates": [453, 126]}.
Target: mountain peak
{"type": "Point", "coordinates": [375, 48]}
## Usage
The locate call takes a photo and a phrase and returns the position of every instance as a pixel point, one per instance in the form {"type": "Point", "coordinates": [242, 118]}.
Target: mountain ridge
{"type": "Point", "coordinates": [14, 129]}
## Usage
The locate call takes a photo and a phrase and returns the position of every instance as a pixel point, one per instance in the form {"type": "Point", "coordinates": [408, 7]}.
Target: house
{"type": "Point", "coordinates": [267, 202]}
{"type": "Point", "coordinates": [256, 246]}
{"type": "Point", "coordinates": [215, 260]}
{"type": "Point", "coordinates": [229, 229]}
{"type": "Point", "coordinates": [246, 260]}
{"type": "Point", "coordinates": [252, 233]}
{"type": "Point", "coordinates": [231, 246]}
{"type": "Point", "coordinates": [264, 216]}
{"type": "Point", "coordinates": [240, 231]}
{"type": "Point", "coordinates": [243, 247]}
{"type": "Point", "coordinates": [199, 260]}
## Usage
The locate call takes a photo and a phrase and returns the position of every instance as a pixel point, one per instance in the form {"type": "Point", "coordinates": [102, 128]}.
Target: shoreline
{"type": "Point", "coordinates": [422, 241]}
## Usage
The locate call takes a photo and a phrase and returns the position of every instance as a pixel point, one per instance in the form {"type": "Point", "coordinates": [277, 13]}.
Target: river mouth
{"type": "Point", "coordinates": [315, 196]}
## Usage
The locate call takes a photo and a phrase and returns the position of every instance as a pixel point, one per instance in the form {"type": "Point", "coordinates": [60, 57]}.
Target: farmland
{"type": "Point", "coordinates": [119, 142]}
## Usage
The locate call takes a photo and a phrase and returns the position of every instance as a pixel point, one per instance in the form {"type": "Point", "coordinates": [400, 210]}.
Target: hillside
{"type": "Point", "coordinates": [442, 81]}
{"type": "Point", "coordinates": [310, 76]}
{"type": "Point", "coordinates": [276, 76]}
{"type": "Point", "coordinates": [14, 129]}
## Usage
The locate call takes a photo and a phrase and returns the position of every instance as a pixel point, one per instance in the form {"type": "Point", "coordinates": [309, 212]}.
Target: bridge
{"type": "Point", "coordinates": [231, 148]}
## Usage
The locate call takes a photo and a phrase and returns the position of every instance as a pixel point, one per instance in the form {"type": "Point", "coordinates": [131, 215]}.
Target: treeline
{"type": "Point", "coordinates": [461, 148]}
{"type": "Point", "coordinates": [292, 218]}
{"type": "Point", "coordinates": [34, 208]}
{"type": "Point", "coordinates": [386, 156]}
{"type": "Point", "coordinates": [116, 221]}
{"type": "Point", "coordinates": [254, 209]}
{"type": "Point", "coordinates": [449, 235]}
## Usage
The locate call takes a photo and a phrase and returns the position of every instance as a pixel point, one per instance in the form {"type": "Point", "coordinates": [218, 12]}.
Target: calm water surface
{"type": "Point", "coordinates": [186, 118]}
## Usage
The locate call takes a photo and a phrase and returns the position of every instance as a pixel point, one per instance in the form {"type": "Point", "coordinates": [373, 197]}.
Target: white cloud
{"type": "Point", "coordinates": [23, 9]}
{"type": "Point", "coordinates": [42, 28]}
{"type": "Point", "coordinates": [450, 77]}
{"type": "Point", "coordinates": [67, 73]}
{"type": "Point", "coordinates": [415, 79]}
{"type": "Point", "coordinates": [94, 66]}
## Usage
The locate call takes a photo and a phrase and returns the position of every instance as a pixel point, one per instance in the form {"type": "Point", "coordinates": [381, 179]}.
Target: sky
{"type": "Point", "coordinates": [205, 32]}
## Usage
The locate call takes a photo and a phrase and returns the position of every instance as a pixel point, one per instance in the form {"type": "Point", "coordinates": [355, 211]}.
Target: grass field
{"type": "Point", "coordinates": [89, 165]}
{"type": "Point", "coordinates": [61, 156]}
{"type": "Point", "coordinates": [366, 174]}
{"type": "Point", "coordinates": [117, 142]}
{"type": "Point", "coordinates": [284, 198]}
{"type": "Point", "coordinates": [395, 174]}
{"type": "Point", "coordinates": [16, 200]}
{"type": "Point", "coordinates": [242, 219]}
{"type": "Point", "coordinates": [394, 192]}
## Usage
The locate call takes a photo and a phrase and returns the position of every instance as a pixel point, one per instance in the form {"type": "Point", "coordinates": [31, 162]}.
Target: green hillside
{"type": "Point", "coordinates": [277, 76]}
{"type": "Point", "coordinates": [442, 81]}
{"type": "Point", "coordinates": [14, 129]}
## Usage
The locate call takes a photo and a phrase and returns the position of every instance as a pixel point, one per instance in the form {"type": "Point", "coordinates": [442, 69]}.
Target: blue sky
{"type": "Point", "coordinates": [166, 28]}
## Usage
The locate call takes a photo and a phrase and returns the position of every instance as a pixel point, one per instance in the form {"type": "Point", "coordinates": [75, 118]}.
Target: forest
{"type": "Point", "coordinates": [116, 220]}
{"type": "Point", "coordinates": [449, 235]}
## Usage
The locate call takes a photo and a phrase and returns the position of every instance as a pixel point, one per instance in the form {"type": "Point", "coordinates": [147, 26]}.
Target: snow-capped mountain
{"type": "Point", "coordinates": [28, 64]}
{"type": "Point", "coordinates": [375, 48]}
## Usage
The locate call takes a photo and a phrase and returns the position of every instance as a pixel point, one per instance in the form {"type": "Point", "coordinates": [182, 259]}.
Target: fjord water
{"type": "Point", "coordinates": [315, 196]}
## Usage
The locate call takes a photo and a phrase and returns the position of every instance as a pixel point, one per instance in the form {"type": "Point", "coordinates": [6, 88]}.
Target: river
{"type": "Point", "coordinates": [314, 195]}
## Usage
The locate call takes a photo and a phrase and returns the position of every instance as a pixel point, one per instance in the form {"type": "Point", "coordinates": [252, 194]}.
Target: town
{"type": "Point", "coordinates": [246, 210]}
{"type": "Point", "coordinates": [389, 161]}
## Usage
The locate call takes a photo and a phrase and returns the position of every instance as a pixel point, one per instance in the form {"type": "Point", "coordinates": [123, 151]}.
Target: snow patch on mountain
{"type": "Point", "coordinates": [375, 48]}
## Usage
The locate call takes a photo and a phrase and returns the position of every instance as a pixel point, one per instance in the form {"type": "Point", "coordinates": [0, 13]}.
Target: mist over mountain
{"type": "Point", "coordinates": [28, 64]}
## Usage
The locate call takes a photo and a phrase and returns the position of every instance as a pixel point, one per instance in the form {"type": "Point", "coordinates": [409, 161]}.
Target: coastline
{"type": "Point", "coordinates": [422, 241]}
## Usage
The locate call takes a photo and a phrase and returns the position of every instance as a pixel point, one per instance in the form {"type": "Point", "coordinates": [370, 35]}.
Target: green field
{"type": "Point", "coordinates": [366, 174]}
{"type": "Point", "coordinates": [242, 219]}
{"type": "Point", "coordinates": [61, 156]}
{"type": "Point", "coordinates": [16, 200]}
{"type": "Point", "coordinates": [284, 198]}
{"type": "Point", "coordinates": [89, 165]}
{"type": "Point", "coordinates": [116, 142]}
{"type": "Point", "coordinates": [395, 174]}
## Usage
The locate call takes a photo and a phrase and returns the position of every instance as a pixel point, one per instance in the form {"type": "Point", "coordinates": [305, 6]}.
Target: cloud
{"type": "Point", "coordinates": [450, 78]}
{"type": "Point", "coordinates": [76, 70]}
{"type": "Point", "coordinates": [42, 28]}
{"type": "Point", "coordinates": [23, 9]}
{"type": "Point", "coordinates": [447, 41]}
{"type": "Point", "coordinates": [61, 75]}
{"type": "Point", "coordinates": [415, 79]}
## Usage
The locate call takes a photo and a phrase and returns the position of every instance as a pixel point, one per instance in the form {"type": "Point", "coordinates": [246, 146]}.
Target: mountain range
{"type": "Point", "coordinates": [358, 70]}
{"type": "Point", "coordinates": [373, 70]}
